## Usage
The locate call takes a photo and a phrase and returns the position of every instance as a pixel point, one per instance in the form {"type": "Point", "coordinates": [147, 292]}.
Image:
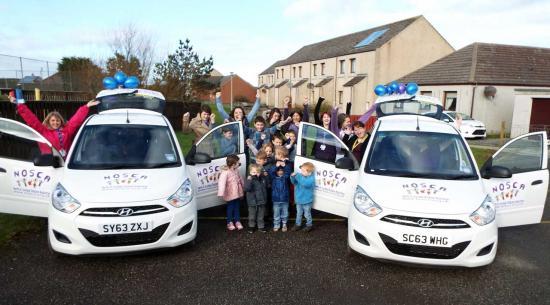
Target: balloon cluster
{"type": "Point", "coordinates": [120, 80]}
{"type": "Point", "coordinates": [393, 87]}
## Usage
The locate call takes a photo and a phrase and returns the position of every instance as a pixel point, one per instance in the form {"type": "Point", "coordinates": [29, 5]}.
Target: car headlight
{"type": "Point", "coordinates": [364, 204]}
{"type": "Point", "coordinates": [63, 201]}
{"type": "Point", "coordinates": [183, 195]}
{"type": "Point", "coordinates": [485, 214]}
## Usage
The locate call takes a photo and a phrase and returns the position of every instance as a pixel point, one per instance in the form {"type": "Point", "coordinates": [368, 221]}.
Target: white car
{"type": "Point", "coordinates": [124, 186]}
{"type": "Point", "coordinates": [469, 128]}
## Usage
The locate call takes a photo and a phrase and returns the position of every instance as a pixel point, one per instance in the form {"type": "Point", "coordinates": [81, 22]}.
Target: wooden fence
{"type": "Point", "coordinates": [173, 111]}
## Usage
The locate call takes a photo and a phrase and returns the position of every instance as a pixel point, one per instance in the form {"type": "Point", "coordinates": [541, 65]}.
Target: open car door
{"type": "Point", "coordinates": [206, 158]}
{"type": "Point", "coordinates": [336, 170]}
{"type": "Point", "coordinates": [26, 188]}
{"type": "Point", "coordinates": [520, 199]}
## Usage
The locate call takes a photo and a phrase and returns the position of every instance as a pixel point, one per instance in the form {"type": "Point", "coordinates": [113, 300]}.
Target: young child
{"type": "Point", "coordinates": [259, 134]}
{"type": "Point", "coordinates": [231, 188]}
{"type": "Point", "coordinates": [304, 186]}
{"type": "Point", "coordinates": [256, 198]}
{"type": "Point", "coordinates": [277, 140]}
{"type": "Point", "coordinates": [290, 144]}
{"type": "Point", "coordinates": [280, 194]}
{"type": "Point", "coordinates": [228, 143]}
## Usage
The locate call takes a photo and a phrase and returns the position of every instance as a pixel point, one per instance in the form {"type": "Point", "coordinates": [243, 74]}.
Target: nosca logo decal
{"type": "Point", "coordinates": [425, 192]}
{"type": "Point", "coordinates": [30, 178]}
{"type": "Point", "coordinates": [507, 190]}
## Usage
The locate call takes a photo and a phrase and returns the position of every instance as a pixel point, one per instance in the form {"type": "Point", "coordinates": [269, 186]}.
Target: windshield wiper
{"type": "Point", "coordinates": [161, 165]}
{"type": "Point", "coordinates": [461, 177]}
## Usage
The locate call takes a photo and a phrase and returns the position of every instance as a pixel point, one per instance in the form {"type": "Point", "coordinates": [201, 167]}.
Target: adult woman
{"type": "Point", "coordinates": [201, 124]}
{"type": "Point", "coordinates": [237, 113]}
{"type": "Point", "coordinates": [54, 128]}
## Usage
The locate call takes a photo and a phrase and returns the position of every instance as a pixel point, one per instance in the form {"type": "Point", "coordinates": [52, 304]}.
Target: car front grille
{"type": "Point", "coordinates": [113, 212]}
{"type": "Point", "coordinates": [416, 222]}
{"type": "Point", "coordinates": [479, 132]}
{"type": "Point", "coordinates": [423, 251]}
{"type": "Point", "coordinates": [128, 239]}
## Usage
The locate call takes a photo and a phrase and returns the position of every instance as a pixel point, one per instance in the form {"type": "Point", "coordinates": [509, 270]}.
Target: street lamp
{"type": "Point", "coordinates": [231, 85]}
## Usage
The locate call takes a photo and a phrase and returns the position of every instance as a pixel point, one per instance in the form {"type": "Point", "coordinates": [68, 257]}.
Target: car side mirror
{"type": "Point", "coordinates": [498, 172]}
{"type": "Point", "coordinates": [201, 158]}
{"type": "Point", "coordinates": [446, 120]}
{"type": "Point", "coordinates": [48, 160]}
{"type": "Point", "coordinates": [345, 163]}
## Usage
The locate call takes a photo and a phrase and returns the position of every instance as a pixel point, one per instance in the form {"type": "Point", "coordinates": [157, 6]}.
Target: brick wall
{"type": "Point", "coordinates": [240, 88]}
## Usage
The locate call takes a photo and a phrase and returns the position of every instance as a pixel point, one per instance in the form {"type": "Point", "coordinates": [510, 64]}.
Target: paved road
{"type": "Point", "coordinates": [272, 268]}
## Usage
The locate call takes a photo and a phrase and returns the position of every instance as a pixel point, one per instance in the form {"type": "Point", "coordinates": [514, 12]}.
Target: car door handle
{"type": "Point", "coordinates": [536, 182]}
{"type": "Point", "coordinates": [2, 170]}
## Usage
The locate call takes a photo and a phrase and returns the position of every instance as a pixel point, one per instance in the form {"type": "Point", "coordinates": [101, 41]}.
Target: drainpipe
{"type": "Point", "coordinates": [472, 103]}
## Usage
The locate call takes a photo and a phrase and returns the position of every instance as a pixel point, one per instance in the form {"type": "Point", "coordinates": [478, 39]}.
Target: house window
{"type": "Point", "coordinates": [428, 93]}
{"type": "Point", "coordinates": [449, 103]}
{"type": "Point", "coordinates": [352, 65]}
{"type": "Point", "coordinates": [293, 72]}
{"type": "Point", "coordinates": [300, 71]}
{"type": "Point", "coordinates": [314, 69]}
{"type": "Point", "coordinates": [282, 73]}
{"type": "Point", "coordinates": [340, 97]}
{"type": "Point", "coordinates": [322, 68]}
{"type": "Point", "coordinates": [277, 72]}
{"type": "Point", "coordinates": [342, 64]}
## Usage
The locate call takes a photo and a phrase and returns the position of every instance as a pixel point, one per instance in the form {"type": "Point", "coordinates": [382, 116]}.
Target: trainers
{"type": "Point", "coordinates": [275, 229]}
{"type": "Point", "coordinates": [239, 225]}
{"type": "Point", "coordinates": [230, 226]}
{"type": "Point", "coordinates": [296, 228]}
{"type": "Point", "coordinates": [251, 229]}
{"type": "Point", "coordinates": [308, 228]}
{"type": "Point", "coordinates": [263, 230]}
{"type": "Point", "coordinates": [284, 229]}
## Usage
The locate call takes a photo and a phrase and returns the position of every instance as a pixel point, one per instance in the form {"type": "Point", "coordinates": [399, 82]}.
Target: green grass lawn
{"type": "Point", "coordinates": [481, 155]}
{"type": "Point", "coordinates": [11, 225]}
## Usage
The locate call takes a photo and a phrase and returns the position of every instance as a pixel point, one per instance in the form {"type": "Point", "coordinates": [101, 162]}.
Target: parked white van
{"type": "Point", "coordinates": [124, 186]}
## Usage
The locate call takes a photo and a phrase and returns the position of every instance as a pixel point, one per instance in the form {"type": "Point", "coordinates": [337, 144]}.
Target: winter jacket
{"type": "Point", "coordinates": [256, 190]}
{"type": "Point", "coordinates": [304, 188]}
{"type": "Point", "coordinates": [246, 120]}
{"type": "Point", "coordinates": [280, 188]}
{"type": "Point", "coordinates": [230, 184]}
{"type": "Point", "coordinates": [198, 126]}
{"type": "Point", "coordinates": [290, 125]}
{"type": "Point", "coordinates": [228, 146]}
{"type": "Point", "coordinates": [61, 138]}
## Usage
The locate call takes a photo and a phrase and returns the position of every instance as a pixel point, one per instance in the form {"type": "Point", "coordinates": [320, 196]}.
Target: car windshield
{"type": "Point", "coordinates": [464, 116]}
{"type": "Point", "coordinates": [420, 154]}
{"type": "Point", "coordinates": [124, 147]}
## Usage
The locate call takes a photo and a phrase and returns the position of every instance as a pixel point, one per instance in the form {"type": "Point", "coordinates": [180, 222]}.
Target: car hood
{"type": "Point", "coordinates": [428, 196]}
{"type": "Point", "coordinates": [473, 123]}
{"type": "Point", "coordinates": [104, 186]}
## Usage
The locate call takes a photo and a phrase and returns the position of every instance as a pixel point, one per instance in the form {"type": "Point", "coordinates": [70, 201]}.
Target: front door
{"type": "Point", "coordinates": [25, 189]}
{"type": "Point", "coordinates": [215, 145]}
{"type": "Point", "coordinates": [334, 187]}
{"type": "Point", "coordinates": [520, 199]}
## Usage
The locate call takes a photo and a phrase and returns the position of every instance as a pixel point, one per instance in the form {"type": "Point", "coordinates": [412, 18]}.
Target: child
{"type": "Point", "coordinates": [277, 140]}
{"type": "Point", "coordinates": [256, 197]}
{"type": "Point", "coordinates": [259, 134]}
{"type": "Point", "coordinates": [280, 196]}
{"type": "Point", "coordinates": [290, 144]}
{"type": "Point", "coordinates": [230, 187]}
{"type": "Point", "coordinates": [228, 143]}
{"type": "Point", "coordinates": [304, 185]}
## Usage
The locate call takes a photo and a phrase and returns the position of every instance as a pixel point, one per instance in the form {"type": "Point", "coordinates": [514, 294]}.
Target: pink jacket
{"type": "Point", "coordinates": [68, 131]}
{"type": "Point", "coordinates": [230, 184]}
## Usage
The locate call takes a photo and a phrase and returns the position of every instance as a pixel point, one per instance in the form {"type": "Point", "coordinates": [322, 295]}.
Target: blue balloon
{"type": "Point", "coordinates": [394, 87]}
{"type": "Point", "coordinates": [109, 83]}
{"type": "Point", "coordinates": [380, 90]}
{"type": "Point", "coordinates": [389, 90]}
{"type": "Point", "coordinates": [401, 88]}
{"type": "Point", "coordinates": [411, 88]}
{"type": "Point", "coordinates": [120, 77]}
{"type": "Point", "coordinates": [131, 82]}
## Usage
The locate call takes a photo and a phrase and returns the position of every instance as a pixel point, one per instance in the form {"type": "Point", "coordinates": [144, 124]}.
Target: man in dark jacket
{"type": "Point", "coordinates": [255, 188]}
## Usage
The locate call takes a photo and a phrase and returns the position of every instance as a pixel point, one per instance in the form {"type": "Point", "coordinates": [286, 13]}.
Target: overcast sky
{"type": "Point", "coordinates": [245, 37]}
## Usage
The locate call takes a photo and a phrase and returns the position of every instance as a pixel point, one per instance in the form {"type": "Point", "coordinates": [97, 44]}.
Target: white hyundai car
{"type": "Point", "coordinates": [468, 127]}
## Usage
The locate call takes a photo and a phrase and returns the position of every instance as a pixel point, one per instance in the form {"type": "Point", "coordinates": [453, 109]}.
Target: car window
{"type": "Point", "coordinates": [523, 155]}
{"type": "Point", "coordinates": [321, 145]}
{"type": "Point", "coordinates": [22, 149]}
{"type": "Point", "coordinates": [124, 147]}
{"type": "Point", "coordinates": [221, 142]}
{"type": "Point", "coordinates": [420, 154]}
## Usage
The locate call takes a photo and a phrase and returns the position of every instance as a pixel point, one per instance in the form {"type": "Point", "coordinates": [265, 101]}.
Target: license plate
{"type": "Point", "coordinates": [426, 240]}
{"type": "Point", "coordinates": [123, 228]}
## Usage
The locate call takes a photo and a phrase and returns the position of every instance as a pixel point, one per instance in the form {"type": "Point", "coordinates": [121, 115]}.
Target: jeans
{"type": "Point", "coordinates": [256, 215]}
{"type": "Point", "coordinates": [233, 213]}
{"type": "Point", "coordinates": [280, 214]}
{"type": "Point", "coordinates": [304, 209]}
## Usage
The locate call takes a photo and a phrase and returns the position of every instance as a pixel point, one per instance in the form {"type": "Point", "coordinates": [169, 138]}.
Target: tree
{"type": "Point", "coordinates": [182, 72]}
{"type": "Point", "coordinates": [130, 44]}
{"type": "Point", "coordinates": [129, 66]}
{"type": "Point", "coordinates": [80, 74]}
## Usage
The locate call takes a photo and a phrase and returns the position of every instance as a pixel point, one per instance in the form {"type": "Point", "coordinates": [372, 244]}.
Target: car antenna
{"type": "Point", "coordinates": [417, 124]}
{"type": "Point", "coordinates": [127, 117]}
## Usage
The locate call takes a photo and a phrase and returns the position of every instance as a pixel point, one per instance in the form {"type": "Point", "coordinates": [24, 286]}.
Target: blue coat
{"type": "Point", "coordinates": [304, 188]}
{"type": "Point", "coordinates": [280, 191]}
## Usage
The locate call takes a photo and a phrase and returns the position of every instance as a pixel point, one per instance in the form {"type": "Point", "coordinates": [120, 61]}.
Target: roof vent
{"type": "Point", "coordinates": [372, 37]}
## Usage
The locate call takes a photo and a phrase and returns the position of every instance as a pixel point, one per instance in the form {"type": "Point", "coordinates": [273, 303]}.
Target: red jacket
{"type": "Point", "coordinates": [68, 131]}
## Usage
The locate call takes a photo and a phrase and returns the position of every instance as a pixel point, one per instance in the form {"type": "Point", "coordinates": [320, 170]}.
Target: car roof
{"type": "Point", "coordinates": [395, 97]}
{"type": "Point", "coordinates": [117, 91]}
{"type": "Point", "coordinates": [410, 123]}
{"type": "Point", "coordinates": [122, 116]}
